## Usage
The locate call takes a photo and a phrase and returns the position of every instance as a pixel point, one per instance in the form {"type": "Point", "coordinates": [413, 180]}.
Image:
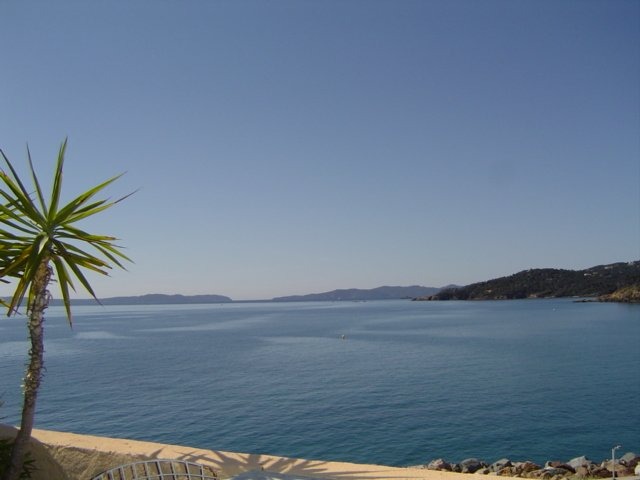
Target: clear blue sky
{"type": "Point", "coordinates": [289, 147]}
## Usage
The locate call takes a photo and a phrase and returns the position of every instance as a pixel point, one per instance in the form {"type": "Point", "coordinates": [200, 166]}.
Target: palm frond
{"type": "Point", "coordinates": [75, 205]}
{"type": "Point", "coordinates": [80, 276]}
{"type": "Point", "coordinates": [16, 261]}
{"type": "Point", "coordinates": [22, 203]}
{"type": "Point", "coordinates": [73, 255]}
{"type": "Point", "coordinates": [57, 183]}
{"type": "Point", "coordinates": [13, 219]}
{"type": "Point", "coordinates": [65, 282]}
{"type": "Point", "coordinates": [35, 182]}
{"type": "Point", "coordinates": [33, 234]}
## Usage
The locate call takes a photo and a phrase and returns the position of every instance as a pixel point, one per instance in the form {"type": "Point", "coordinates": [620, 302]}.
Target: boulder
{"type": "Point", "coordinates": [471, 465]}
{"type": "Point", "coordinates": [550, 472]}
{"type": "Point", "coordinates": [637, 470]}
{"type": "Point", "coordinates": [510, 471]}
{"type": "Point", "coordinates": [625, 472]}
{"type": "Point", "coordinates": [526, 467]}
{"type": "Point", "coordinates": [630, 459]}
{"type": "Point", "coordinates": [582, 472]}
{"type": "Point", "coordinates": [562, 465]}
{"type": "Point", "coordinates": [533, 474]}
{"type": "Point", "coordinates": [439, 464]}
{"type": "Point", "coordinates": [619, 467]}
{"type": "Point", "coordinates": [599, 472]}
{"type": "Point", "coordinates": [500, 464]}
{"type": "Point", "coordinates": [580, 462]}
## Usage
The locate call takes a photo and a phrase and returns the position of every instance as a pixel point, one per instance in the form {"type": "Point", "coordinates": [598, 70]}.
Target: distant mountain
{"type": "Point", "coordinates": [151, 299]}
{"type": "Point", "coordinates": [380, 293]}
{"type": "Point", "coordinates": [549, 282]}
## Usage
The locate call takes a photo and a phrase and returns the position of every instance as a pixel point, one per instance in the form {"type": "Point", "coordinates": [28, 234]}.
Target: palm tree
{"type": "Point", "coordinates": [40, 241]}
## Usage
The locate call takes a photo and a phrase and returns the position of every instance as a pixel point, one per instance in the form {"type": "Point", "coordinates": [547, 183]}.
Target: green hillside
{"type": "Point", "coordinates": [550, 282]}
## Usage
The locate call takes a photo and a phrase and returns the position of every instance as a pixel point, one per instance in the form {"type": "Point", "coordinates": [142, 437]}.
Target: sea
{"type": "Point", "coordinates": [386, 382]}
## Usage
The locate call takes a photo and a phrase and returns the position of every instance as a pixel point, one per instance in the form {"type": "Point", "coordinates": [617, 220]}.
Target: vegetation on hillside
{"type": "Point", "coordinates": [548, 283]}
{"type": "Point", "coordinates": [628, 294]}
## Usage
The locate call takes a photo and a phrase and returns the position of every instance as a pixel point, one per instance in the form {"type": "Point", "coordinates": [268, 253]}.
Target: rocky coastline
{"type": "Point", "coordinates": [628, 465]}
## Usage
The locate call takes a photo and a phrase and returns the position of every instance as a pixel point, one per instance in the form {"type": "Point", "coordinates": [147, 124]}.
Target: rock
{"type": "Point", "coordinates": [510, 471]}
{"type": "Point", "coordinates": [582, 472]}
{"type": "Point", "coordinates": [541, 474]}
{"type": "Point", "coordinates": [630, 459]}
{"type": "Point", "coordinates": [500, 464]}
{"type": "Point", "coordinates": [526, 467]}
{"type": "Point", "coordinates": [556, 464]}
{"type": "Point", "coordinates": [619, 466]}
{"type": "Point", "coordinates": [599, 472]}
{"type": "Point", "coordinates": [532, 474]}
{"type": "Point", "coordinates": [439, 464]}
{"type": "Point", "coordinates": [471, 465]}
{"type": "Point", "coordinates": [626, 472]}
{"type": "Point", "coordinates": [550, 472]}
{"type": "Point", "coordinates": [580, 462]}
{"type": "Point", "coordinates": [576, 468]}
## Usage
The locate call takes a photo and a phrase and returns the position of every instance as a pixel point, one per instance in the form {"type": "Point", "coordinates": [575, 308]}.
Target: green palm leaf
{"type": "Point", "coordinates": [32, 232]}
{"type": "Point", "coordinates": [35, 182]}
{"type": "Point", "coordinates": [57, 183]}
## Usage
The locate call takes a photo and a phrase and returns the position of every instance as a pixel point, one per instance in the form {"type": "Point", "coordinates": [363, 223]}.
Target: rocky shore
{"type": "Point", "coordinates": [627, 465]}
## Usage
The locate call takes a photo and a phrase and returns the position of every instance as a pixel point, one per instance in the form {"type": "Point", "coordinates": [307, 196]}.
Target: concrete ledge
{"type": "Point", "coordinates": [69, 456]}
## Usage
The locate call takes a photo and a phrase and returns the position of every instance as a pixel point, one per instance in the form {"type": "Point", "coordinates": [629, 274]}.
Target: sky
{"type": "Point", "coordinates": [282, 147]}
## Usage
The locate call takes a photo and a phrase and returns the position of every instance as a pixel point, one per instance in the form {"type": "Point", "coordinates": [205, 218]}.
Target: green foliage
{"type": "Point", "coordinates": [28, 466]}
{"type": "Point", "coordinates": [550, 282]}
{"type": "Point", "coordinates": [627, 294]}
{"type": "Point", "coordinates": [37, 231]}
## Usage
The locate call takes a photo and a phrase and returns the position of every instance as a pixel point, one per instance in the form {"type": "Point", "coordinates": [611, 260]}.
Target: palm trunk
{"type": "Point", "coordinates": [35, 310]}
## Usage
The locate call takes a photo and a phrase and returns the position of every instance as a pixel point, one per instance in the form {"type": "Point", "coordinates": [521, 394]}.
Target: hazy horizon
{"type": "Point", "coordinates": [305, 293]}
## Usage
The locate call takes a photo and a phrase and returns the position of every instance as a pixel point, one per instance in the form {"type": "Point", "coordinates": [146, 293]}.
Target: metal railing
{"type": "Point", "coordinates": [159, 470]}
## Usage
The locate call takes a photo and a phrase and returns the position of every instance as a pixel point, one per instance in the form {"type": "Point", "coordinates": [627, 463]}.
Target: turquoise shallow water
{"type": "Point", "coordinates": [412, 381]}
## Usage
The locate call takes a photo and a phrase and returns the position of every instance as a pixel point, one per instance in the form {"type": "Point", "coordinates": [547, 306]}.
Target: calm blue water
{"type": "Point", "coordinates": [413, 381]}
